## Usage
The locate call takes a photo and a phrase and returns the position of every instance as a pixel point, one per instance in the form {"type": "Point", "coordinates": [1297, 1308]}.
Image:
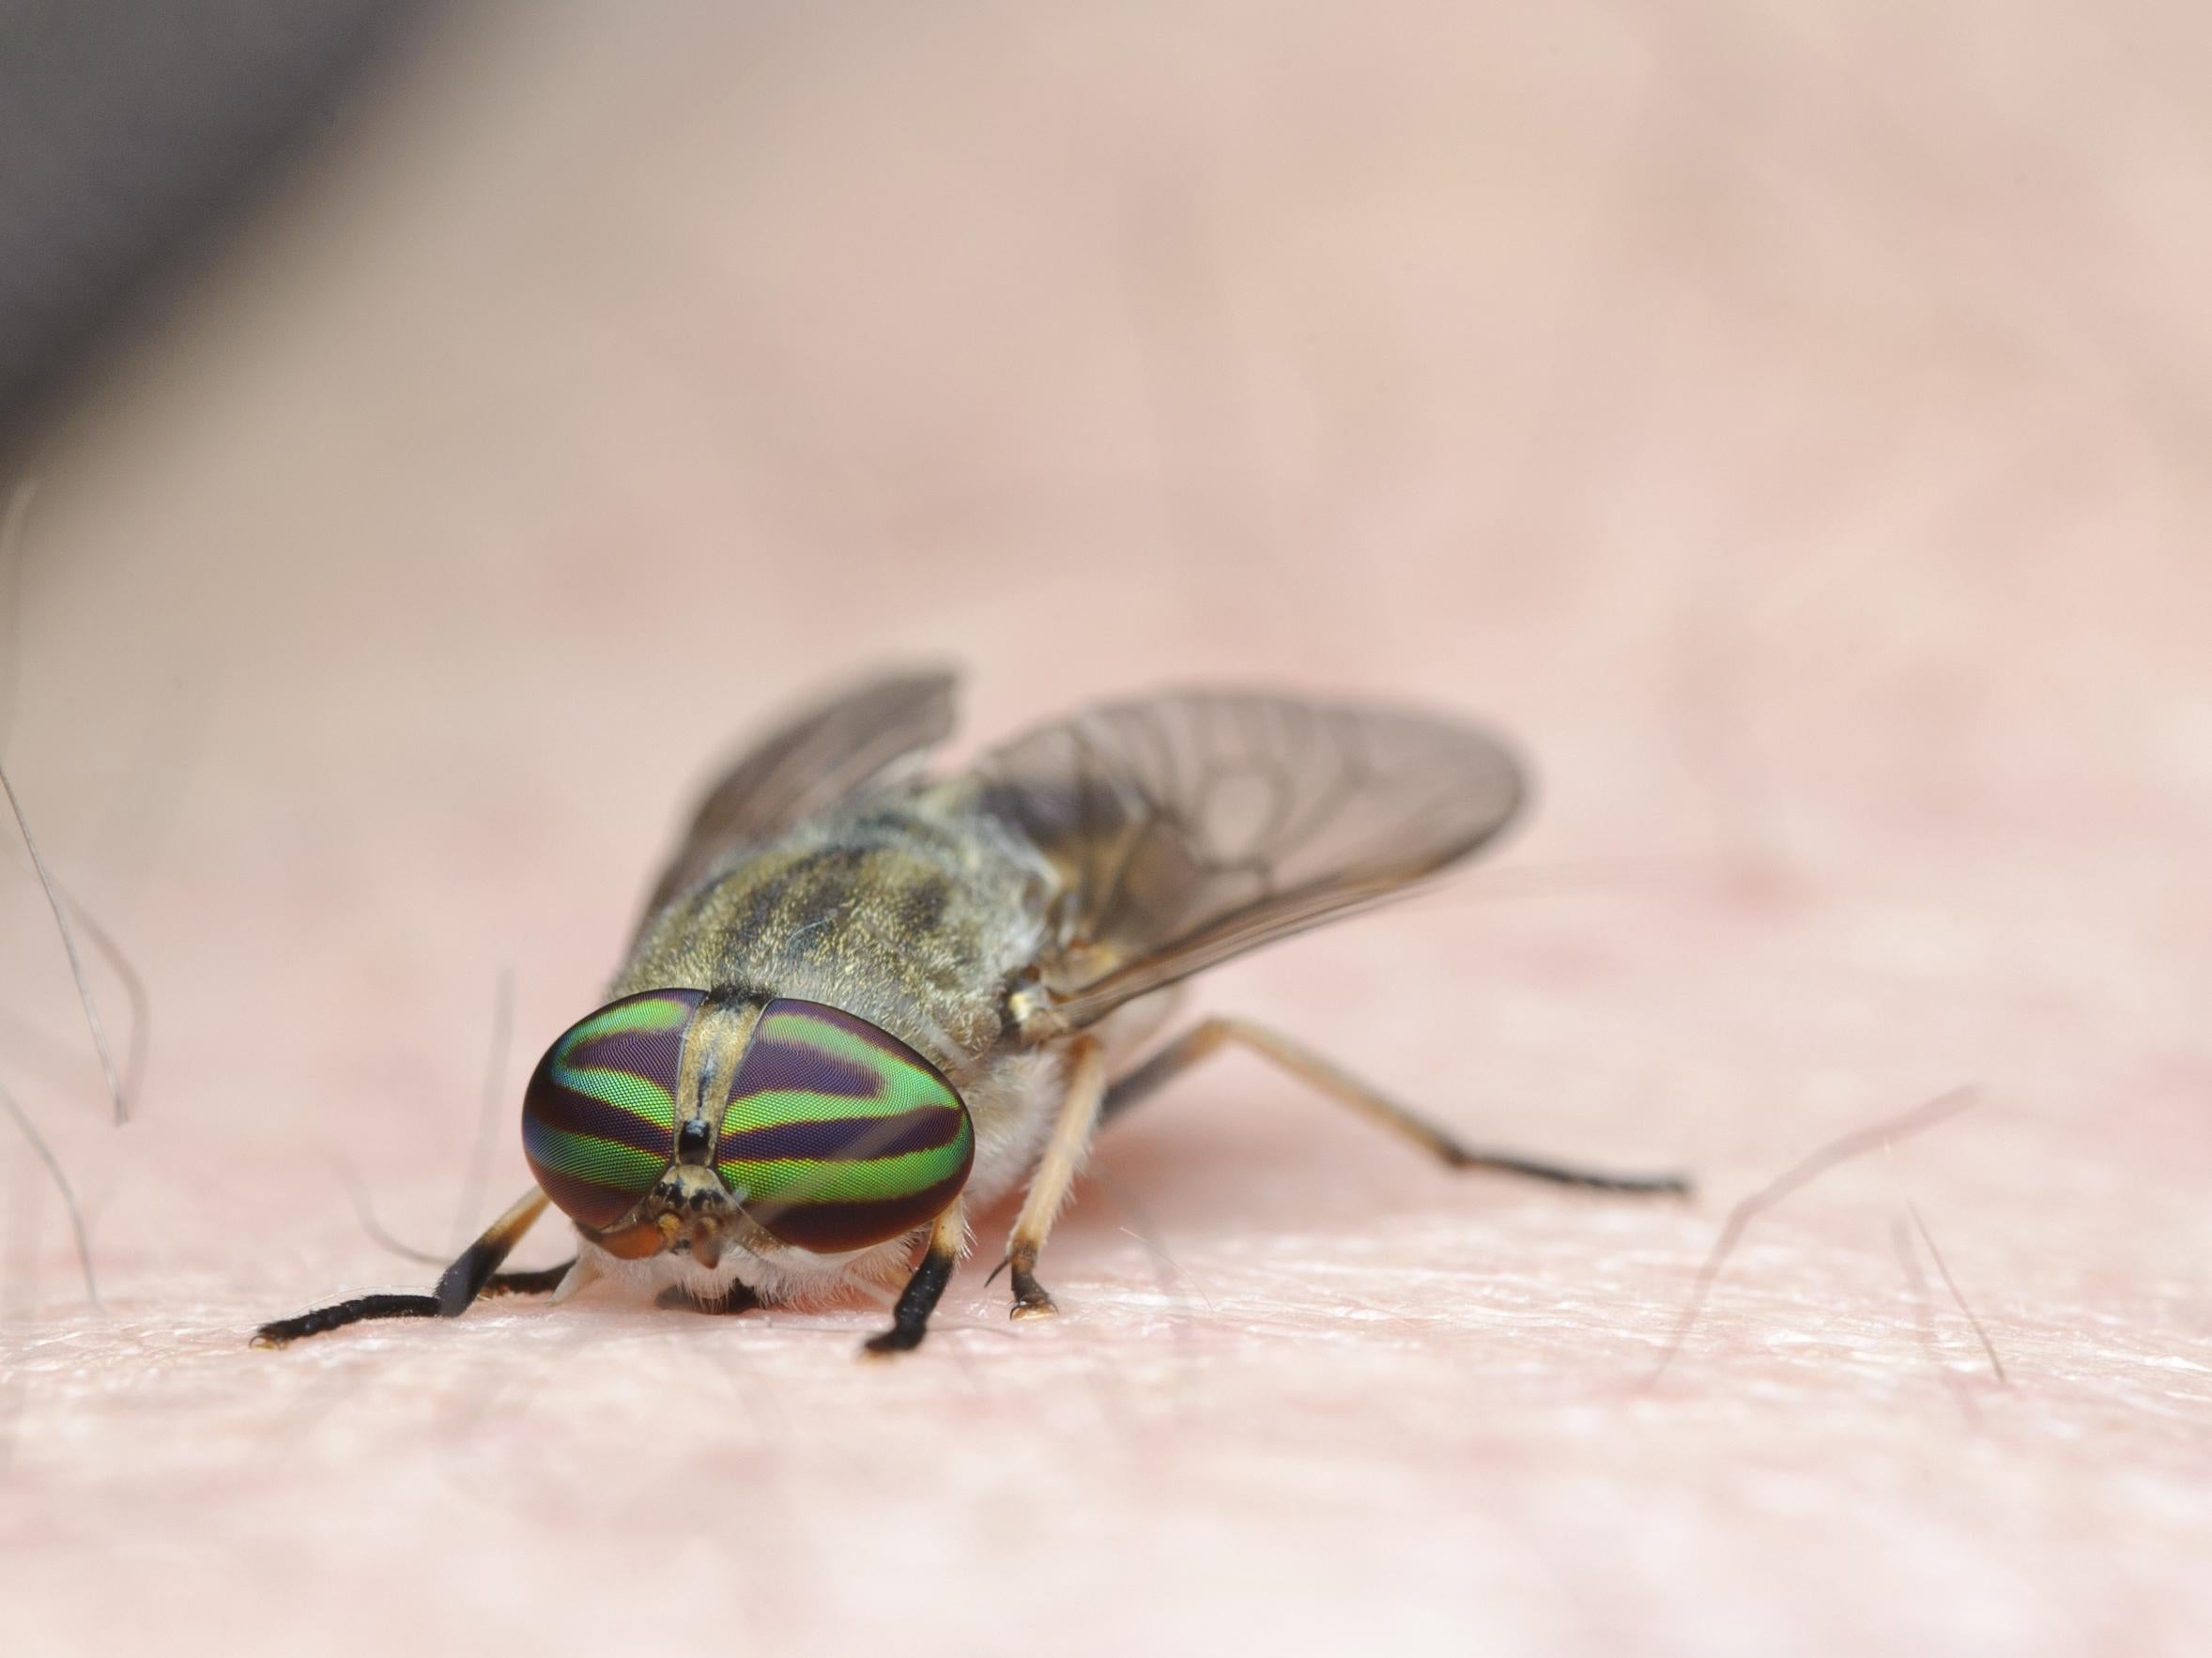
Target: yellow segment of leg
{"type": "Point", "coordinates": [1056, 1171]}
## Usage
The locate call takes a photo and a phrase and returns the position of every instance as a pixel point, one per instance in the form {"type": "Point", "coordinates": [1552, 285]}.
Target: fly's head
{"type": "Point", "coordinates": [705, 1125]}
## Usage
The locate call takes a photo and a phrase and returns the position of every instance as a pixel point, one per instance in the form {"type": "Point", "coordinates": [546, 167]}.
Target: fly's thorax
{"type": "Point", "coordinates": [912, 916]}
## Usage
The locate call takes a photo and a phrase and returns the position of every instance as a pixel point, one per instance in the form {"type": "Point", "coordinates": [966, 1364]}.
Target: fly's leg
{"type": "Point", "coordinates": [1055, 1172]}
{"type": "Point", "coordinates": [1207, 1038]}
{"type": "Point", "coordinates": [538, 1280]}
{"type": "Point", "coordinates": [283, 1332]}
{"type": "Point", "coordinates": [910, 1319]}
{"type": "Point", "coordinates": [468, 1277]}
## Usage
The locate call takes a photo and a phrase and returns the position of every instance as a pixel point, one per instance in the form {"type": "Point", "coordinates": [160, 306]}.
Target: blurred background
{"type": "Point", "coordinates": [446, 431]}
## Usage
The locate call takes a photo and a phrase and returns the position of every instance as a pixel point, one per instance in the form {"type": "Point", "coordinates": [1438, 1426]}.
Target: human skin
{"type": "Point", "coordinates": [1789, 427]}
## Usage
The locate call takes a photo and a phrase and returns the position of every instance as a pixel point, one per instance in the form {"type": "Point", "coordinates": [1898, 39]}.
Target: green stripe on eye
{"type": "Point", "coordinates": [639, 1013]}
{"type": "Point", "coordinates": [803, 1181]}
{"type": "Point", "coordinates": [628, 1090]}
{"type": "Point", "coordinates": [809, 1105]}
{"type": "Point", "coordinates": [606, 1163]}
{"type": "Point", "coordinates": [640, 1095]}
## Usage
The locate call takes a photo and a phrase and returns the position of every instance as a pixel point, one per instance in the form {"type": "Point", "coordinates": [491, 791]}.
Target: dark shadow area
{"type": "Point", "coordinates": [133, 138]}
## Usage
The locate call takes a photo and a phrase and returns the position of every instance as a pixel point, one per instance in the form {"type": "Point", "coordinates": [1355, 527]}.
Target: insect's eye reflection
{"type": "Point", "coordinates": [599, 1115]}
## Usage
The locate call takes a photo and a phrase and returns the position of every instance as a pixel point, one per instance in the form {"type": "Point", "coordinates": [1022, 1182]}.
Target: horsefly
{"type": "Point", "coordinates": [863, 1003]}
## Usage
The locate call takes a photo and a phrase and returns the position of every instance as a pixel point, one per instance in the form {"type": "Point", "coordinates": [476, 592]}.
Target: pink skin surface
{"type": "Point", "coordinates": [1791, 425]}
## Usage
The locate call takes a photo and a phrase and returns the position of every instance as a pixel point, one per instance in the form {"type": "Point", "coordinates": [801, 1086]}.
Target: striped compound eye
{"type": "Point", "coordinates": [599, 1116]}
{"type": "Point", "coordinates": [839, 1136]}
{"type": "Point", "coordinates": [835, 1136]}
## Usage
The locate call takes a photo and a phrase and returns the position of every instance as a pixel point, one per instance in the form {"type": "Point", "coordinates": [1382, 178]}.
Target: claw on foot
{"type": "Point", "coordinates": [1030, 1298]}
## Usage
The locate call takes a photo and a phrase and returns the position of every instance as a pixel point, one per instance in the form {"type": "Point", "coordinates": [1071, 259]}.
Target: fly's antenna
{"type": "Point", "coordinates": [1917, 1121]}
{"type": "Point", "coordinates": [61, 1183]}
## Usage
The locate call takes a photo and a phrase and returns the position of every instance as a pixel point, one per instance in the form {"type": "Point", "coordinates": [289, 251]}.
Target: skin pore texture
{"type": "Point", "coordinates": [1788, 425]}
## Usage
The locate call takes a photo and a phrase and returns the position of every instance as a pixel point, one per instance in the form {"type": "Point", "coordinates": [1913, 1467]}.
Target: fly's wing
{"type": "Point", "coordinates": [838, 749]}
{"type": "Point", "coordinates": [1183, 829]}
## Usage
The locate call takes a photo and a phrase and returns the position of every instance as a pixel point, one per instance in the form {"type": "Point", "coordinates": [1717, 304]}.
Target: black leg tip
{"type": "Point", "coordinates": [282, 1332]}
{"type": "Point", "coordinates": [910, 1319]}
{"type": "Point", "coordinates": [900, 1338]}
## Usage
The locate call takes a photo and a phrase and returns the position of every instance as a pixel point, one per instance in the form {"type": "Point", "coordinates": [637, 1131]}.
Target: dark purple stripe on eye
{"type": "Point", "coordinates": [549, 1104]}
{"type": "Point", "coordinates": [831, 1229]}
{"type": "Point", "coordinates": [587, 1201]}
{"type": "Point", "coordinates": [844, 1140]}
{"type": "Point", "coordinates": [774, 1067]}
{"type": "Point", "coordinates": [852, 1024]}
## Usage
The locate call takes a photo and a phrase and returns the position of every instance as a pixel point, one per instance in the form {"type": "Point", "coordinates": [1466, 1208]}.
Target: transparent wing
{"type": "Point", "coordinates": [1187, 828]}
{"type": "Point", "coordinates": [834, 751]}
